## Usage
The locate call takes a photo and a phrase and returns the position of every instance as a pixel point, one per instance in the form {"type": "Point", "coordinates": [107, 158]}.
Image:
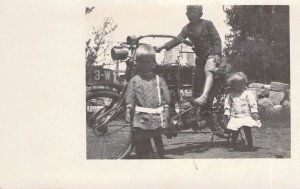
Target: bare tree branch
{"type": "Point", "coordinates": [99, 45]}
{"type": "Point", "coordinates": [88, 10]}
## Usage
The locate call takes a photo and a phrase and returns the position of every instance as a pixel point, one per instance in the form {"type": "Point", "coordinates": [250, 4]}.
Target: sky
{"type": "Point", "coordinates": [143, 19]}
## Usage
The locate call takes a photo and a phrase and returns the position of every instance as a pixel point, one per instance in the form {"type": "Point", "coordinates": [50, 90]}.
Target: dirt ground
{"type": "Point", "coordinates": [272, 140]}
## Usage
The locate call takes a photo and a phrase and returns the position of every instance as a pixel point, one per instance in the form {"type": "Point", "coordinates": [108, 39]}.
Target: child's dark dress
{"type": "Point", "coordinates": [142, 94]}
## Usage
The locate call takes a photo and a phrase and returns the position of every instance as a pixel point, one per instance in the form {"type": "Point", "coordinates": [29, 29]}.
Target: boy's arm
{"type": "Point", "coordinates": [215, 39]}
{"type": "Point", "coordinates": [172, 43]}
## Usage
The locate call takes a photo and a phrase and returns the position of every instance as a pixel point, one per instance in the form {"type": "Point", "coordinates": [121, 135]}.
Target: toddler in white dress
{"type": "Point", "coordinates": [241, 109]}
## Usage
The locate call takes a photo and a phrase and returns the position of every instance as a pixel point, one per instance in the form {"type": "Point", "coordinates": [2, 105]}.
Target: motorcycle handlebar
{"type": "Point", "coordinates": [121, 52]}
{"type": "Point", "coordinates": [181, 40]}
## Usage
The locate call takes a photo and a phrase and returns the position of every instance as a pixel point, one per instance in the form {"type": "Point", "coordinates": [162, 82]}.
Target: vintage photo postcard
{"type": "Point", "coordinates": [200, 53]}
{"type": "Point", "coordinates": [177, 94]}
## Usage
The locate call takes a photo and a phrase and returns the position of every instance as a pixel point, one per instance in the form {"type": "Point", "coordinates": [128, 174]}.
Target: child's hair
{"type": "Point", "coordinates": [237, 77]}
{"type": "Point", "coordinates": [145, 52]}
{"type": "Point", "coordinates": [194, 7]}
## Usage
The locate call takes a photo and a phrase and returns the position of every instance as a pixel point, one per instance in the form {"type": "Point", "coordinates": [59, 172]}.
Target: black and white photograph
{"type": "Point", "coordinates": [195, 82]}
{"type": "Point", "coordinates": [149, 94]}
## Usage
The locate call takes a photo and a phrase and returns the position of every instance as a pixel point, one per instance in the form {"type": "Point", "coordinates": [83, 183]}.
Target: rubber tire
{"type": "Point", "coordinates": [115, 96]}
{"type": "Point", "coordinates": [217, 127]}
{"type": "Point", "coordinates": [104, 93]}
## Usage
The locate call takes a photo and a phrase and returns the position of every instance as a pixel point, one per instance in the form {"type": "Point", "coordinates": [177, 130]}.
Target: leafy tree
{"type": "Point", "coordinates": [97, 47]}
{"type": "Point", "coordinates": [259, 41]}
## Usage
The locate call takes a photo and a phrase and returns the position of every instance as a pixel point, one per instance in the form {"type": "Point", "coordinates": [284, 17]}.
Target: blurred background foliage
{"type": "Point", "coordinates": [259, 42]}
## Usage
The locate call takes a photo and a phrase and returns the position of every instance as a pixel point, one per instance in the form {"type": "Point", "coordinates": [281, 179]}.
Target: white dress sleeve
{"type": "Point", "coordinates": [251, 100]}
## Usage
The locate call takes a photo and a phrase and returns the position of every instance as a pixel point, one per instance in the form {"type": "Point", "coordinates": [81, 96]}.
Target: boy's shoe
{"type": "Point", "coordinates": [168, 133]}
{"type": "Point", "coordinates": [202, 100]}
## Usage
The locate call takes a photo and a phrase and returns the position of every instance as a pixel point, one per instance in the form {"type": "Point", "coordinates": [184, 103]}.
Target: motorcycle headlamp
{"type": "Point", "coordinates": [119, 53]}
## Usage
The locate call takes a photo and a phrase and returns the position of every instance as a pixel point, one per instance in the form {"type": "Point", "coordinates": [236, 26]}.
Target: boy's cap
{"type": "Point", "coordinates": [194, 7]}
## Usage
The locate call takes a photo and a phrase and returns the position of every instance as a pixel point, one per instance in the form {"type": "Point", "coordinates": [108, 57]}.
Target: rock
{"type": "Point", "coordinates": [286, 104]}
{"type": "Point", "coordinates": [267, 87]}
{"type": "Point", "coordinates": [276, 97]}
{"type": "Point", "coordinates": [259, 89]}
{"type": "Point", "coordinates": [263, 93]}
{"type": "Point", "coordinates": [256, 85]}
{"type": "Point", "coordinates": [277, 108]}
{"type": "Point", "coordinates": [259, 93]}
{"type": "Point", "coordinates": [279, 87]}
{"type": "Point", "coordinates": [264, 103]}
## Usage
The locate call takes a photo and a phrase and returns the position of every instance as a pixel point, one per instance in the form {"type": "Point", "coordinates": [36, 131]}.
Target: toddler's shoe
{"type": "Point", "coordinates": [201, 100]}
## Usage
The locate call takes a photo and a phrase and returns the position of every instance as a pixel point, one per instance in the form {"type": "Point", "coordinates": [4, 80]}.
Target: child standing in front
{"type": "Point", "coordinates": [147, 103]}
{"type": "Point", "coordinates": [240, 109]}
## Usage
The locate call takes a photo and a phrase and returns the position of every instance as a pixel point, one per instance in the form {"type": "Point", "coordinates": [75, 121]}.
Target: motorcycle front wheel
{"type": "Point", "coordinates": [113, 140]}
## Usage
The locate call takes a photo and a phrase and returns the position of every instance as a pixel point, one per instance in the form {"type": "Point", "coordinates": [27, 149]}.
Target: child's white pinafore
{"type": "Point", "coordinates": [239, 106]}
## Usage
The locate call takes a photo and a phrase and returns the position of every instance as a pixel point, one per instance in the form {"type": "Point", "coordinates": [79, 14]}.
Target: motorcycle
{"type": "Point", "coordinates": [184, 82]}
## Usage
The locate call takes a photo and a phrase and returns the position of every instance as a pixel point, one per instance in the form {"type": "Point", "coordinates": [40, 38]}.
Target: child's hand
{"type": "Point", "coordinates": [166, 112]}
{"type": "Point", "coordinates": [255, 116]}
{"type": "Point", "coordinates": [128, 115]}
{"type": "Point", "coordinates": [158, 49]}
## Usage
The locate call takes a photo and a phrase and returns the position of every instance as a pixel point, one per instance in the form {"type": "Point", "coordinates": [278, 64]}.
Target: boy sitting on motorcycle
{"type": "Point", "coordinates": [208, 50]}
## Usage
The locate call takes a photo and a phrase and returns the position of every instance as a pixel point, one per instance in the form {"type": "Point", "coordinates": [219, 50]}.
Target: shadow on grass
{"type": "Point", "coordinates": [195, 147]}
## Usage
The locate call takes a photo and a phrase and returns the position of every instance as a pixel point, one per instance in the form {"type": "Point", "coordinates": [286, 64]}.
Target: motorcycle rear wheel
{"type": "Point", "coordinates": [217, 125]}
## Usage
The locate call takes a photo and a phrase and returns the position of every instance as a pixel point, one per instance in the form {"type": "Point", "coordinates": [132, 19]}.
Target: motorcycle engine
{"type": "Point", "coordinates": [193, 119]}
